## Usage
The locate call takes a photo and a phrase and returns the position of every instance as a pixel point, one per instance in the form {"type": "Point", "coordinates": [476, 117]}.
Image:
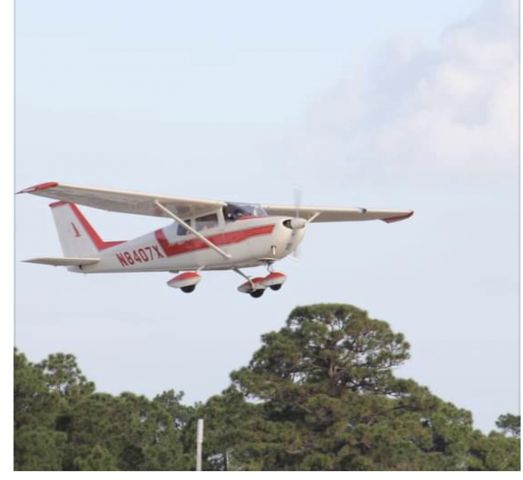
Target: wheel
{"type": "Point", "coordinates": [188, 289]}
{"type": "Point", "coordinates": [257, 293]}
{"type": "Point", "coordinates": [276, 287]}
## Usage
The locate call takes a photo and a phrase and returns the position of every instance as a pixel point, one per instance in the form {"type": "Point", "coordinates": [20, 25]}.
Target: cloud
{"type": "Point", "coordinates": [451, 109]}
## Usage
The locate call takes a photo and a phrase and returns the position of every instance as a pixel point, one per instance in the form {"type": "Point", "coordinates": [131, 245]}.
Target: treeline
{"type": "Point", "coordinates": [320, 394]}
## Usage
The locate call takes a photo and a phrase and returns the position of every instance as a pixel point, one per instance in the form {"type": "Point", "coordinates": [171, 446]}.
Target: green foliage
{"type": "Point", "coordinates": [99, 458]}
{"type": "Point", "coordinates": [37, 445]}
{"type": "Point", "coordinates": [64, 377]}
{"type": "Point", "coordinates": [61, 423]}
{"type": "Point", "coordinates": [330, 400]}
{"type": "Point", "coordinates": [34, 404]}
{"type": "Point", "coordinates": [509, 424]}
{"type": "Point", "coordinates": [494, 452]}
{"type": "Point", "coordinates": [319, 394]}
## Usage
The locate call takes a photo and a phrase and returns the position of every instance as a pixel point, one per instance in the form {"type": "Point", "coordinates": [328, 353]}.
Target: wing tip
{"type": "Point", "coordinates": [38, 187]}
{"type": "Point", "coordinates": [399, 218]}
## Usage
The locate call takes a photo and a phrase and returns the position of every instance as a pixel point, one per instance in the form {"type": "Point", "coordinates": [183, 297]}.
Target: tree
{"type": "Point", "coordinates": [319, 394]}
{"type": "Point", "coordinates": [326, 399]}
{"type": "Point", "coordinates": [229, 424]}
{"type": "Point", "coordinates": [99, 458]}
{"type": "Point", "coordinates": [34, 404]}
{"type": "Point", "coordinates": [494, 452]}
{"type": "Point", "coordinates": [63, 375]}
{"type": "Point", "coordinates": [61, 423]}
{"type": "Point", "coordinates": [509, 424]}
{"type": "Point", "coordinates": [65, 381]}
{"type": "Point", "coordinates": [139, 434]}
{"type": "Point", "coordinates": [37, 446]}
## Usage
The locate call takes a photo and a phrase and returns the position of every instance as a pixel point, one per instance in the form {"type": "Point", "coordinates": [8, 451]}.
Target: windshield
{"type": "Point", "coordinates": [235, 211]}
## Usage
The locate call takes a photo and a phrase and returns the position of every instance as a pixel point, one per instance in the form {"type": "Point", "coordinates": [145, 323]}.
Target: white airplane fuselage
{"type": "Point", "coordinates": [205, 234]}
{"type": "Point", "coordinates": [250, 242]}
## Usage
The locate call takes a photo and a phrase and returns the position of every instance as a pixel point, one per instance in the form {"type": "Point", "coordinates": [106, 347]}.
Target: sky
{"type": "Point", "coordinates": [405, 104]}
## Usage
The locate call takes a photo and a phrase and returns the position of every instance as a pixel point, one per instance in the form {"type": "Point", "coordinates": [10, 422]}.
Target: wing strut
{"type": "Point", "coordinates": [192, 230]}
{"type": "Point", "coordinates": [239, 272]}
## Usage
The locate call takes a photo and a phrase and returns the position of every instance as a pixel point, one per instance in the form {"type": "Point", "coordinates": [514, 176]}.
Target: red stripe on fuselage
{"type": "Point", "coordinates": [171, 249]}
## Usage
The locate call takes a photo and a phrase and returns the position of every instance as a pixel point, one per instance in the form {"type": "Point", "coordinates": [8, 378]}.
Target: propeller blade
{"type": "Point", "coordinates": [298, 195]}
{"type": "Point", "coordinates": [297, 201]}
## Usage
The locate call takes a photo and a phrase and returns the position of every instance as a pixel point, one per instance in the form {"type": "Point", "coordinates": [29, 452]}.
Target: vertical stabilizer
{"type": "Point", "coordinates": [77, 237]}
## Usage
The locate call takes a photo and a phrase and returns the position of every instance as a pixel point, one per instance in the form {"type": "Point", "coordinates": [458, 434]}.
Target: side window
{"type": "Point", "coordinates": [207, 221]}
{"type": "Point", "coordinates": [181, 230]}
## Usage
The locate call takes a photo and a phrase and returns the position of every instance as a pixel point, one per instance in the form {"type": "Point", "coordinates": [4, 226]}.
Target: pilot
{"type": "Point", "coordinates": [232, 213]}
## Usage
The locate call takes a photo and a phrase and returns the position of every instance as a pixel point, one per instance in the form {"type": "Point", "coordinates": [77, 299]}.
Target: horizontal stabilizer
{"type": "Point", "coordinates": [63, 261]}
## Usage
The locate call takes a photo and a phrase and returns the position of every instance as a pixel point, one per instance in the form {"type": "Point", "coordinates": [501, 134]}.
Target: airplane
{"type": "Point", "coordinates": [204, 234]}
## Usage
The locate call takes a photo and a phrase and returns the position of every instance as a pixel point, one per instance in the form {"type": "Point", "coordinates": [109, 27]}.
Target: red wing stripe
{"type": "Point", "coordinates": [40, 186]}
{"type": "Point", "coordinates": [171, 249]}
{"type": "Point", "coordinates": [398, 218]}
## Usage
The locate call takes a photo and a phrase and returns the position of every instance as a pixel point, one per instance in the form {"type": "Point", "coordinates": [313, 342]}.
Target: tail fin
{"type": "Point", "coordinates": [77, 237]}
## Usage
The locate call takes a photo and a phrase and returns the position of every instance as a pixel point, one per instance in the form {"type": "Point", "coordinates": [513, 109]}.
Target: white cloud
{"type": "Point", "coordinates": [453, 109]}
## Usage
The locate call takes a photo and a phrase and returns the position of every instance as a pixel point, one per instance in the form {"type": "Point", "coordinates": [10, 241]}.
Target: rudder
{"type": "Point", "coordinates": [77, 237]}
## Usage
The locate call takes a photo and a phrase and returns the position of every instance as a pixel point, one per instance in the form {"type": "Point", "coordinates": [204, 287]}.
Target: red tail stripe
{"type": "Point", "coordinates": [57, 204]}
{"type": "Point", "coordinates": [93, 234]}
{"type": "Point", "coordinates": [171, 249]}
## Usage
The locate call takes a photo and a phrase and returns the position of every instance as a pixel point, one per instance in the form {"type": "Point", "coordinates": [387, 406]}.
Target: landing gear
{"type": "Point", "coordinates": [256, 286]}
{"type": "Point", "coordinates": [185, 281]}
{"type": "Point", "coordinates": [188, 289]}
{"type": "Point", "coordinates": [257, 293]}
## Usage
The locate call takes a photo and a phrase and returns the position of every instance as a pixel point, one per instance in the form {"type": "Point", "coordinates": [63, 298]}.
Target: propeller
{"type": "Point", "coordinates": [297, 222]}
{"type": "Point", "coordinates": [298, 194]}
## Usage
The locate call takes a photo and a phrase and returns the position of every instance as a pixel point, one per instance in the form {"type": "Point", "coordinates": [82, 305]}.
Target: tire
{"type": "Point", "coordinates": [276, 287]}
{"type": "Point", "coordinates": [188, 289]}
{"type": "Point", "coordinates": [257, 293]}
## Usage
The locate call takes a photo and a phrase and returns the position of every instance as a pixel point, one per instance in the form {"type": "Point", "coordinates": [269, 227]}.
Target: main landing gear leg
{"type": "Point", "coordinates": [239, 272]}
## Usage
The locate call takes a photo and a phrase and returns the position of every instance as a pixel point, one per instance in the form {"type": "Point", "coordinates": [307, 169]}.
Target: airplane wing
{"type": "Point", "coordinates": [322, 214]}
{"type": "Point", "coordinates": [124, 201]}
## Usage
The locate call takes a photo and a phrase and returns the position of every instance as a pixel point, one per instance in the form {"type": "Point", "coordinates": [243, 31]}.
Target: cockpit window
{"type": "Point", "coordinates": [207, 221]}
{"type": "Point", "coordinates": [181, 230]}
{"type": "Point", "coordinates": [236, 211]}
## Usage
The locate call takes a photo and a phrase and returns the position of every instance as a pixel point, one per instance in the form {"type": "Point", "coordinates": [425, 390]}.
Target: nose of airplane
{"type": "Point", "coordinates": [296, 223]}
